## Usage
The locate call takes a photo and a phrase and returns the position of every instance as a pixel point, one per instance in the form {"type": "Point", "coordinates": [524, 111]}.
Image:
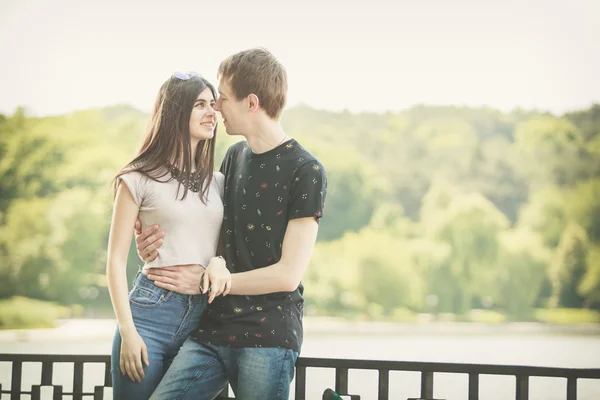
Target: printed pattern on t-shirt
{"type": "Point", "coordinates": [263, 192]}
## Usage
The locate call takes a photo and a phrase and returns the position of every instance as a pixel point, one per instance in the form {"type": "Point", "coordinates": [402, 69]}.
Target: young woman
{"type": "Point", "coordinates": [169, 183]}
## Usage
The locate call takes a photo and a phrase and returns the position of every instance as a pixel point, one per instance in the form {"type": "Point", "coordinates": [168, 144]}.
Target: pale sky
{"type": "Point", "coordinates": [375, 55]}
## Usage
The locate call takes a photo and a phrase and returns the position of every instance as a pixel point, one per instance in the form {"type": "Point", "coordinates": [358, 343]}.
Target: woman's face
{"type": "Point", "coordinates": [204, 117]}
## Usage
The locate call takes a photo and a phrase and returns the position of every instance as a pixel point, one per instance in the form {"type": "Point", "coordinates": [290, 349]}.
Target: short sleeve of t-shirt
{"type": "Point", "coordinates": [136, 183]}
{"type": "Point", "coordinates": [308, 191]}
{"type": "Point", "coordinates": [220, 178]}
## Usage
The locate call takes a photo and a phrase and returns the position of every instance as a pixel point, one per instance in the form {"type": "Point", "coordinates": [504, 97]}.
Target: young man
{"type": "Point", "coordinates": [274, 196]}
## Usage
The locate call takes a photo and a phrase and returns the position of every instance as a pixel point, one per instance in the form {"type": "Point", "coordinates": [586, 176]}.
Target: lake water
{"type": "Point", "coordinates": [485, 347]}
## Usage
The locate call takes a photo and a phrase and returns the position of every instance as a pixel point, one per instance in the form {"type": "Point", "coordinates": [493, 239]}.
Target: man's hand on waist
{"type": "Point", "coordinates": [148, 241]}
{"type": "Point", "coordinates": [184, 279]}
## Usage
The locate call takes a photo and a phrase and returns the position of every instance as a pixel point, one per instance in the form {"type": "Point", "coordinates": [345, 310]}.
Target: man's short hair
{"type": "Point", "coordinates": [257, 71]}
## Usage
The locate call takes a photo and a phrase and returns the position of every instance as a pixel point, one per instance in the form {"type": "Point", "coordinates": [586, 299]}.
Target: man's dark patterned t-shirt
{"type": "Point", "coordinates": [262, 193]}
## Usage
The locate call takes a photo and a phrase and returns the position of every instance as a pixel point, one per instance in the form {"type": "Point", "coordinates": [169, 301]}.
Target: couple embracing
{"type": "Point", "coordinates": [219, 300]}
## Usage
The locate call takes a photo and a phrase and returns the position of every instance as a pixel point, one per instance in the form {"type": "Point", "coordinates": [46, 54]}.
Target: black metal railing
{"type": "Point", "coordinates": [427, 370]}
{"type": "Point", "coordinates": [340, 366]}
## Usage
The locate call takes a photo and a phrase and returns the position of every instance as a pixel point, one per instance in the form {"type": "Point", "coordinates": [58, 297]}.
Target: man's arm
{"type": "Point", "coordinates": [285, 275]}
{"type": "Point", "coordinates": [183, 279]}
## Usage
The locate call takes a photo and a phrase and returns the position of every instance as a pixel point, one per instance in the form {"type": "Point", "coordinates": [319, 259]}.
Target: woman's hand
{"type": "Point", "coordinates": [217, 277]}
{"type": "Point", "coordinates": [133, 353]}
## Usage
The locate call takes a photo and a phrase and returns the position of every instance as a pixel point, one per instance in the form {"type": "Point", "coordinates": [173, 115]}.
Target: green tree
{"type": "Point", "coordinates": [470, 225]}
{"type": "Point", "coordinates": [354, 192]}
{"type": "Point", "coordinates": [552, 151]}
{"type": "Point", "coordinates": [568, 267]}
{"type": "Point", "coordinates": [523, 261]}
{"type": "Point", "coordinates": [589, 286]}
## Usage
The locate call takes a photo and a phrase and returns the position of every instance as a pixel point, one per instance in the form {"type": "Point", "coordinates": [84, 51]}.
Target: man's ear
{"type": "Point", "coordinates": [253, 102]}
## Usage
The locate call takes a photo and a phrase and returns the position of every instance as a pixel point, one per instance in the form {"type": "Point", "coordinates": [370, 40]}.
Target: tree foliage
{"type": "Point", "coordinates": [435, 209]}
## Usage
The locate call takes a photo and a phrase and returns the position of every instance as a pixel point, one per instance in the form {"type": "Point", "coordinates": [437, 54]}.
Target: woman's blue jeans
{"type": "Point", "coordinates": [164, 319]}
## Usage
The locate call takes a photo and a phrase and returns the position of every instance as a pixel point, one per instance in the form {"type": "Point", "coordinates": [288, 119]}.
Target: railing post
{"type": "Point", "coordinates": [522, 387]}
{"type": "Point", "coordinates": [36, 392]}
{"type": "Point", "coordinates": [473, 386]}
{"type": "Point", "coordinates": [98, 392]}
{"type": "Point", "coordinates": [341, 380]}
{"type": "Point", "coordinates": [58, 392]}
{"type": "Point", "coordinates": [15, 387]}
{"type": "Point", "coordinates": [384, 384]}
{"type": "Point", "coordinates": [47, 367]}
{"type": "Point", "coordinates": [78, 380]}
{"type": "Point", "coordinates": [427, 385]}
{"type": "Point", "coordinates": [107, 375]}
{"type": "Point", "coordinates": [300, 383]}
{"type": "Point", "coordinates": [571, 388]}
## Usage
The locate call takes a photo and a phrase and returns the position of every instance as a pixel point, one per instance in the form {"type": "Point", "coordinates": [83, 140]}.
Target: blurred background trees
{"type": "Point", "coordinates": [438, 210]}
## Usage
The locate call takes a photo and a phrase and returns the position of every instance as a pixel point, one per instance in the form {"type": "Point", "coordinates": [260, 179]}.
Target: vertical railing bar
{"type": "Point", "coordinates": [522, 387]}
{"type": "Point", "coordinates": [300, 383]}
{"type": "Point", "coordinates": [47, 367]}
{"type": "Point", "coordinates": [571, 388]}
{"type": "Point", "coordinates": [473, 386]}
{"type": "Point", "coordinates": [36, 393]}
{"type": "Point", "coordinates": [107, 375]}
{"type": "Point", "coordinates": [78, 380]}
{"type": "Point", "coordinates": [58, 392]}
{"type": "Point", "coordinates": [427, 384]}
{"type": "Point", "coordinates": [384, 384]}
{"type": "Point", "coordinates": [341, 380]}
{"type": "Point", "coordinates": [15, 388]}
{"type": "Point", "coordinates": [98, 393]}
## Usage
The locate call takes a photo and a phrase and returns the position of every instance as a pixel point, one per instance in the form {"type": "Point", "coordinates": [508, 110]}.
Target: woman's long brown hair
{"type": "Point", "coordinates": [167, 140]}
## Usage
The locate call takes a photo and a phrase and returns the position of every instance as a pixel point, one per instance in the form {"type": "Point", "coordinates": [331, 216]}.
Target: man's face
{"type": "Point", "coordinates": [234, 112]}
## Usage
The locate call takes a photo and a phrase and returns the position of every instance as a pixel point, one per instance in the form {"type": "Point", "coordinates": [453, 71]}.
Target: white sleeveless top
{"type": "Point", "coordinates": [191, 227]}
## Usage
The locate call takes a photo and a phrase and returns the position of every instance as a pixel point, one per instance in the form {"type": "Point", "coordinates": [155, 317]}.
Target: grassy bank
{"type": "Point", "coordinates": [25, 313]}
{"type": "Point", "coordinates": [554, 316]}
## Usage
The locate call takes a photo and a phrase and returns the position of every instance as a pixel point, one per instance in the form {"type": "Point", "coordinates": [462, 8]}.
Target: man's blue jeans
{"type": "Point", "coordinates": [201, 371]}
{"type": "Point", "coordinates": [164, 320]}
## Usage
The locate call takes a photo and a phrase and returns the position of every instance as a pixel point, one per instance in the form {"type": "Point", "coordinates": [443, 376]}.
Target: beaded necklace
{"type": "Point", "coordinates": [194, 182]}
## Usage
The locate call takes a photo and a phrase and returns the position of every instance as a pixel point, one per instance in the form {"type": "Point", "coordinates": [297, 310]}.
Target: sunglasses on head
{"type": "Point", "coordinates": [184, 76]}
